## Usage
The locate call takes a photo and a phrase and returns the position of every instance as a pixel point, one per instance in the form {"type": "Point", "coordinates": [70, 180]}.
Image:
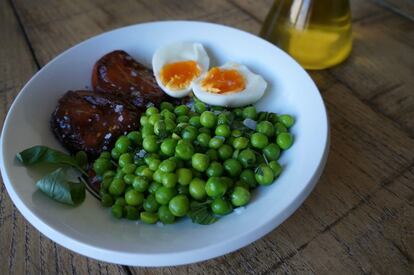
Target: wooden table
{"type": "Point", "coordinates": [360, 217]}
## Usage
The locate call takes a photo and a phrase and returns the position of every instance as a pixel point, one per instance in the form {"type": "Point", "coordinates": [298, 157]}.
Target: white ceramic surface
{"type": "Point", "coordinates": [89, 229]}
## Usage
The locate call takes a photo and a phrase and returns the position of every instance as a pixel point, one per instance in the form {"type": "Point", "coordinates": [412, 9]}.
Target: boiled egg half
{"type": "Point", "coordinates": [177, 65]}
{"type": "Point", "coordinates": [230, 85]}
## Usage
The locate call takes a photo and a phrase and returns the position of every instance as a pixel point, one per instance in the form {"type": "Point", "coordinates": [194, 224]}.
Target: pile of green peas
{"type": "Point", "coordinates": [181, 155]}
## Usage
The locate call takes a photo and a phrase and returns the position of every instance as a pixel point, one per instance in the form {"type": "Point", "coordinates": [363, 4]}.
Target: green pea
{"type": "Point", "coordinates": [264, 175]}
{"type": "Point", "coordinates": [200, 107]}
{"type": "Point", "coordinates": [212, 154]}
{"type": "Point", "coordinates": [240, 196]}
{"type": "Point", "coordinates": [169, 124]}
{"type": "Point", "coordinates": [144, 171]}
{"type": "Point", "coordinates": [238, 112]}
{"type": "Point", "coordinates": [117, 187]}
{"type": "Point", "coordinates": [169, 180]}
{"type": "Point", "coordinates": [225, 151]}
{"type": "Point", "coordinates": [248, 177]}
{"type": "Point", "coordinates": [275, 166]}
{"type": "Point", "coordinates": [284, 140]}
{"type": "Point", "coordinates": [220, 206]}
{"type": "Point", "coordinates": [266, 128]}
{"type": "Point", "coordinates": [129, 178]}
{"type": "Point", "coordinates": [208, 119]}
{"type": "Point", "coordinates": [131, 212]}
{"type": "Point", "coordinates": [168, 115]}
{"type": "Point", "coordinates": [164, 194]}
{"type": "Point", "coordinates": [247, 158]}
{"type": "Point", "coordinates": [215, 169]}
{"type": "Point", "coordinates": [151, 110]}
{"type": "Point", "coordinates": [119, 174]}
{"type": "Point", "coordinates": [150, 204]}
{"type": "Point", "coordinates": [154, 118]}
{"type": "Point", "coordinates": [250, 112]}
{"type": "Point", "coordinates": [147, 130]}
{"type": "Point", "coordinates": [124, 159]}
{"type": "Point", "coordinates": [240, 142]}
{"type": "Point", "coordinates": [232, 167]}
{"type": "Point", "coordinates": [120, 201]}
{"type": "Point", "coordinates": [223, 130]}
{"type": "Point", "coordinates": [129, 168]}
{"type": "Point", "coordinates": [107, 200]}
{"type": "Point", "coordinates": [122, 144]}
{"type": "Point", "coordinates": [200, 162]}
{"type": "Point", "coordinates": [215, 187]}
{"type": "Point", "coordinates": [134, 198]}
{"type": "Point", "coordinates": [189, 133]}
{"type": "Point", "coordinates": [160, 128]}
{"type": "Point", "coordinates": [195, 121]}
{"type": "Point", "coordinates": [158, 175]}
{"type": "Point", "coordinates": [181, 110]}
{"type": "Point", "coordinates": [197, 189]}
{"type": "Point", "coordinates": [225, 118]}
{"type": "Point", "coordinates": [236, 133]}
{"type": "Point", "coordinates": [167, 106]}
{"type": "Point", "coordinates": [149, 218]}
{"type": "Point", "coordinates": [203, 139]}
{"type": "Point", "coordinates": [184, 176]}
{"type": "Point", "coordinates": [116, 211]}
{"type": "Point", "coordinates": [150, 144]}
{"type": "Point", "coordinates": [286, 120]}
{"type": "Point", "coordinates": [152, 163]}
{"type": "Point", "coordinates": [105, 183]}
{"type": "Point", "coordinates": [183, 119]}
{"type": "Point", "coordinates": [115, 154]}
{"type": "Point", "coordinates": [271, 151]}
{"type": "Point", "coordinates": [143, 120]}
{"type": "Point", "coordinates": [135, 137]}
{"type": "Point", "coordinates": [101, 165]}
{"type": "Point", "coordinates": [168, 146]}
{"type": "Point", "coordinates": [215, 142]}
{"type": "Point", "coordinates": [165, 215]}
{"type": "Point", "coordinates": [153, 187]}
{"type": "Point", "coordinates": [140, 184]}
{"type": "Point", "coordinates": [259, 140]}
{"type": "Point", "coordinates": [280, 128]}
{"type": "Point", "coordinates": [179, 205]}
{"type": "Point", "coordinates": [184, 150]}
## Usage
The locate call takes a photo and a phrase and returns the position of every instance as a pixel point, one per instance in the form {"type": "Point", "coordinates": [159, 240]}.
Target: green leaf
{"type": "Point", "coordinates": [56, 186]}
{"type": "Point", "coordinates": [200, 213]}
{"type": "Point", "coordinates": [43, 154]}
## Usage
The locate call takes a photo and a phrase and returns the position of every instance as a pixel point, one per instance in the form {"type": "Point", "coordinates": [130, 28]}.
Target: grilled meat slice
{"type": "Point", "coordinates": [90, 121]}
{"type": "Point", "coordinates": [118, 72]}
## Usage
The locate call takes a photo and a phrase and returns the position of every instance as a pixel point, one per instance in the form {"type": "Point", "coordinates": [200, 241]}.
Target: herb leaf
{"type": "Point", "coordinates": [56, 186]}
{"type": "Point", "coordinates": [43, 154]}
{"type": "Point", "coordinates": [200, 213]}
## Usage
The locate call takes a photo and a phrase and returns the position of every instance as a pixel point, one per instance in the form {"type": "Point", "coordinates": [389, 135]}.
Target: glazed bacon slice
{"type": "Point", "coordinates": [118, 72]}
{"type": "Point", "coordinates": [90, 121]}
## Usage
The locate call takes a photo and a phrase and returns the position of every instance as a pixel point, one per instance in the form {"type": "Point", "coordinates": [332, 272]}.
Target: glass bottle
{"type": "Point", "coordinates": [317, 33]}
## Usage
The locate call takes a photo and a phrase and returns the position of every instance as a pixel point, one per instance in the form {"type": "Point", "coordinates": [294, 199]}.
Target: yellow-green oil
{"type": "Point", "coordinates": [317, 33]}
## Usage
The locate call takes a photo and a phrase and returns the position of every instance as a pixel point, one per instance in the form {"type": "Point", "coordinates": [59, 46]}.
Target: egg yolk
{"type": "Point", "coordinates": [221, 81]}
{"type": "Point", "coordinates": [178, 75]}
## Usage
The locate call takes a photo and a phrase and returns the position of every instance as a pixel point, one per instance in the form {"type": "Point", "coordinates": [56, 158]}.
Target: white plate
{"type": "Point", "coordinates": [89, 229]}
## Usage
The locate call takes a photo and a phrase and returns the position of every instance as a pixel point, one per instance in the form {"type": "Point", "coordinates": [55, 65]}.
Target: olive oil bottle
{"type": "Point", "coordinates": [317, 33]}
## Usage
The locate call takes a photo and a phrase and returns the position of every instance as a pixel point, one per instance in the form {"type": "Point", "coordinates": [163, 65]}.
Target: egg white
{"type": "Point", "coordinates": [255, 87]}
{"type": "Point", "coordinates": [180, 51]}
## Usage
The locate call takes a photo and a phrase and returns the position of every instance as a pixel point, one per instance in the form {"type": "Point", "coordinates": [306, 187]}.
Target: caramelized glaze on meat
{"type": "Point", "coordinates": [118, 72]}
{"type": "Point", "coordinates": [89, 121]}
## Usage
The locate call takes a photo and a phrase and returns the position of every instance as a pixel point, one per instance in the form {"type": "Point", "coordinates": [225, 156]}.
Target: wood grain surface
{"type": "Point", "coordinates": [360, 217]}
